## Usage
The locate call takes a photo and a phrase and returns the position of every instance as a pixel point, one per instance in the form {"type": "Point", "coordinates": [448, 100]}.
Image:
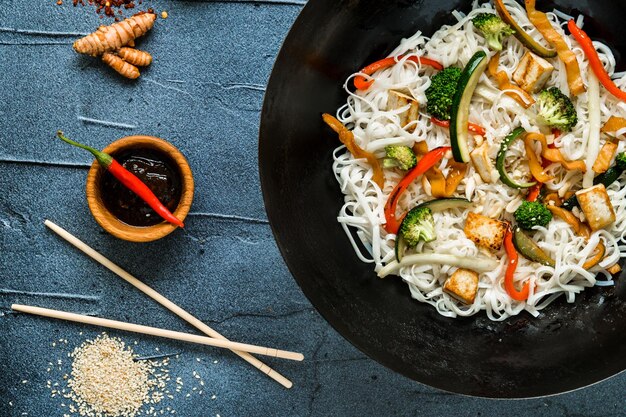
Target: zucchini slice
{"type": "Point", "coordinates": [459, 114]}
{"type": "Point", "coordinates": [521, 34]}
{"type": "Point", "coordinates": [439, 204]}
{"type": "Point", "coordinates": [504, 146]}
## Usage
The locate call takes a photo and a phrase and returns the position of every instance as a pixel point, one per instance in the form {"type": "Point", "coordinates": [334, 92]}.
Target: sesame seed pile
{"type": "Point", "coordinates": [106, 381]}
{"type": "Point", "coordinates": [109, 379]}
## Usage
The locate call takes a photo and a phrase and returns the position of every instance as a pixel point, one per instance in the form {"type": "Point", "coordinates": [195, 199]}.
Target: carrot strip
{"type": "Point", "coordinates": [536, 167]}
{"type": "Point", "coordinates": [580, 229]}
{"type": "Point", "coordinates": [613, 125]}
{"type": "Point", "coordinates": [347, 138]}
{"type": "Point", "coordinates": [501, 77]}
{"type": "Point", "coordinates": [553, 154]}
{"type": "Point", "coordinates": [543, 25]}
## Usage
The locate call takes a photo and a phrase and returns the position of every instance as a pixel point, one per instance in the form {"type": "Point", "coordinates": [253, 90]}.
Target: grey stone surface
{"type": "Point", "coordinates": [203, 93]}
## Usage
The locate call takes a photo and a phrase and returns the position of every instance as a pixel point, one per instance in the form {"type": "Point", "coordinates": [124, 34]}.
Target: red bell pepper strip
{"type": "Point", "coordinates": [129, 180]}
{"type": "Point", "coordinates": [474, 128]}
{"type": "Point", "coordinates": [427, 162]}
{"type": "Point", "coordinates": [594, 60]}
{"type": "Point", "coordinates": [360, 83]}
{"type": "Point", "coordinates": [509, 286]}
{"type": "Point", "coordinates": [533, 194]}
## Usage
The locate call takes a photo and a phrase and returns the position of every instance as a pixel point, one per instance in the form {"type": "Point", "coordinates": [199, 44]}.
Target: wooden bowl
{"type": "Point", "coordinates": [112, 224]}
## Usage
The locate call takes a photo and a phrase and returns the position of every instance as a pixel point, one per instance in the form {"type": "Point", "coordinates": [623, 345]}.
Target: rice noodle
{"type": "Point", "coordinates": [374, 127]}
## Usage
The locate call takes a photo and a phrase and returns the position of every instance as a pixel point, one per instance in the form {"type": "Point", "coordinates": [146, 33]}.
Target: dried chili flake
{"type": "Point", "coordinates": [110, 8]}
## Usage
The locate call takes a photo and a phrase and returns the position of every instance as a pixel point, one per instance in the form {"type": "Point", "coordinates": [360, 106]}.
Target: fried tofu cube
{"type": "Point", "coordinates": [482, 162]}
{"type": "Point", "coordinates": [596, 205]}
{"type": "Point", "coordinates": [532, 72]}
{"type": "Point", "coordinates": [462, 285]}
{"type": "Point", "coordinates": [484, 231]}
{"type": "Point", "coordinates": [397, 100]}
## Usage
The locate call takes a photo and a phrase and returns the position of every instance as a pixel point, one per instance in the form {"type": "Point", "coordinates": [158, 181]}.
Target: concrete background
{"type": "Point", "coordinates": [203, 93]}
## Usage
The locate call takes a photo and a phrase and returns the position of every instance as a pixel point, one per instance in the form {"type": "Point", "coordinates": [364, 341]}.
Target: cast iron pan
{"type": "Point", "coordinates": [567, 347]}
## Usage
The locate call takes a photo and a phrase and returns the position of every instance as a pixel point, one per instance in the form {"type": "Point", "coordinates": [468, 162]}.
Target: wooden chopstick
{"type": "Point", "coordinates": [155, 331]}
{"type": "Point", "coordinates": [164, 301]}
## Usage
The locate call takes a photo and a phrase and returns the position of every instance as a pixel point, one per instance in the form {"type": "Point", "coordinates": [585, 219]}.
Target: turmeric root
{"type": "Point", "coordinates": [135, 57]}
{"type": "Point", "coordinates": [121, 66]}
{"type": "Point", "coordinates": [113, 37]}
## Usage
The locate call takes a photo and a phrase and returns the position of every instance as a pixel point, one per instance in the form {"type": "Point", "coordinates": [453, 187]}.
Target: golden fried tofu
{"type": "Point", "coordinates": [482, 162]}
{"type": "Point", "coordinates": [397, 100]}
{"type": "Point", "coordinates": [462, 285]}
{"type": "Point", "coordinates": [484, 231]}
{"type": "Point", "coordinates": [532, 72]}
{"type": "Point", "coordinates": [596, 205]}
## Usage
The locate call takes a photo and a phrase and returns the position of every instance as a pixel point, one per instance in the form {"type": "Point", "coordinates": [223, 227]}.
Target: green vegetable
{"type": "Point", "coordinates": [439, 204]}
{"type": "Point", "coordinates": [418, 225]}
{"type": "Point", "coordinates": [441, 91]}
{"type": "Point", "coordinates": [521, 34]}
{"type": "Point", "coordinates": [606, 178]}
{"type": "Point", "coordinates": [399, 156]}
{"type": "Point", "coordinates": [532, 213]}
{"type": "Point", "coordinates": [556, 109]}
{"type": "Point", "coordinates": [494, 29]}
{"type": "Point", "coordinates": [478, 264]}
{"type": "Point", "coordinates": [529, 249]}
{"type": "Point", "coordinates": [459, 114]}
{"type": "Point", "coordinates": [500, 159]}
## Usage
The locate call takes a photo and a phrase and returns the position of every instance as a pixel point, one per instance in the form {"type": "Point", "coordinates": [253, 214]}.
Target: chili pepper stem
{"type": "Point", "coordinates": [104, 159]}
{"type": "Point", "coordinates": [129, 180]}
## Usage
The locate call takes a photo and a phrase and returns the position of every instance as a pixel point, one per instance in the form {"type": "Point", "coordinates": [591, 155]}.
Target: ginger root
{"type": "Point", "coordinates": [135, 56]}
{"type": "Point", "coordinates": [111, 42]}
{"type": "Point", "coordinates": [113, 37]}
{"type": "Point", "coordinates": [122, 67]}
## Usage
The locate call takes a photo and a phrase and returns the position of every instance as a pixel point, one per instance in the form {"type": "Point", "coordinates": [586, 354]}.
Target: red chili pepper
{"type": "Point", "coordinates": [360, 83]}
{"type": "Point", "coordinates": [509, 286]}
{"type": "Point", "coordinates": [479, 130]}
{"type": "Point", "coordinates": [129, 180]}
{"type": "Point", "coordinates": [427, 162]}
{"type": "Point", "coordinates": [594, 60]}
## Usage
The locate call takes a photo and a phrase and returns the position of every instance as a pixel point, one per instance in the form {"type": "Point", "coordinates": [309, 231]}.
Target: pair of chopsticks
{"type": "Point", "coordinates": [215, 339]}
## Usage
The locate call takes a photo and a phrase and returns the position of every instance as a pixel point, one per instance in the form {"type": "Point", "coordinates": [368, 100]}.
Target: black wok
{"type": "Point", "coordinates": [567, 347]}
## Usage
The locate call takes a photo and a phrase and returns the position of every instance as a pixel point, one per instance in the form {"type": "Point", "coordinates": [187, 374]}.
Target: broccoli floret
{"type": "Point", "coordinates": [532, 213]}
{"type": "Point", "coordinates": [441, 91]}
{"type": "Point", "coordinates": [399, 156]}
{"type": "Point", "coordinates": [418, 225]}
{"type": "Point", "coordinates": [620, 161]}
{"type": "Point", "coordinates": [493, 29]}
{"type": "Point", "coordinates": [556, 109]}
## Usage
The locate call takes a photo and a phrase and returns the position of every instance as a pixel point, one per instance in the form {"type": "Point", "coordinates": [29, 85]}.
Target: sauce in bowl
{"type": "Point", "coordinates": [157, 170]}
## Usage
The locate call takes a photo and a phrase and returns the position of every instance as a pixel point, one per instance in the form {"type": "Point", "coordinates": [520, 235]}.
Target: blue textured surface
{"type": "Point", "coordinates": [204, 93]}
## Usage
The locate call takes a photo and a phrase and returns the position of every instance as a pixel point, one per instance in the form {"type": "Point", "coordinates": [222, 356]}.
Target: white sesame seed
{"type": "Point", "coordinates": [106, 380]}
